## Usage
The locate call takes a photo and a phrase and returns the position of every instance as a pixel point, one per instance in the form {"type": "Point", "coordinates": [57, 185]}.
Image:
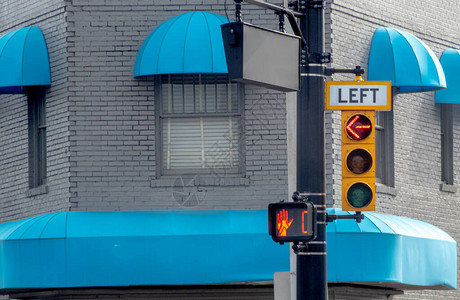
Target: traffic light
{"type": "Point", "coordinates": [291, 221]}
{"type": "Point", "coordinates": [358, 160]}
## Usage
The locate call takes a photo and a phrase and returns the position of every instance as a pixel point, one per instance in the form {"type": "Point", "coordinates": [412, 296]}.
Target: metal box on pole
{"type": "Point", "coordinates": [261, 56]}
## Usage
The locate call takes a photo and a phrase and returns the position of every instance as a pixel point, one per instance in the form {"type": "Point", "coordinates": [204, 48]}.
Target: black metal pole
{"type": "Point", "coordinates": [311, 263]}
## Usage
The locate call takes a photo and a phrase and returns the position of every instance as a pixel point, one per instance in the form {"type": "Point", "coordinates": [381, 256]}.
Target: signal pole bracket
{"type": "Point", "coordinates": [358, 217]}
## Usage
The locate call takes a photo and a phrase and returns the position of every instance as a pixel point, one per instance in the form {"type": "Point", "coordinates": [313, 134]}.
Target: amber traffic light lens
{"type": "Point", "coordinates": [359, 195]}
{"type": "Point", "coordinates": [359, 161]}
{"type": "Point", "coordinates": [359, 127]}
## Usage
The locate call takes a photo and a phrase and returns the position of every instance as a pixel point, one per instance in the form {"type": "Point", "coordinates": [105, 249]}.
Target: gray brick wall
{"type": "Point", "coordinates": [101, 121]}
{"type": "Point", "coordinates": [416, 116]}
{"type": "Point", "coordinates": [112, 118]}
{"type": "Point", "coordinates": [14, 203]}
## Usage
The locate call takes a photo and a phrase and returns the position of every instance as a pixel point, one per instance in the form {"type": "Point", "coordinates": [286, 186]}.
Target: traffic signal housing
{"type": "Point", "coordinates": [358, 160]}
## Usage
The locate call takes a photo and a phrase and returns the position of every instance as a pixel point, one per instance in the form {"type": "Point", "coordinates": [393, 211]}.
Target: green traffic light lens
{"type": "Point", "coordinates": [359, 195]}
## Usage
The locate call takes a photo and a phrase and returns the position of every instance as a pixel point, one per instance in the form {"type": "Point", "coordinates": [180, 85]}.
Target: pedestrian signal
{"type": "Point", "coordinates": [291, 221]}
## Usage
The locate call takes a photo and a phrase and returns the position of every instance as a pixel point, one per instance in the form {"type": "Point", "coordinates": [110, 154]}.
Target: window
{"type": "Point", "coordinates": [199, 124]}
{"type": "Point", "coordinates": [384, 148]}
{"type": "Point", "coordinates": [447, 147]}
{"type": "Point", "coordinates": [37, 136]}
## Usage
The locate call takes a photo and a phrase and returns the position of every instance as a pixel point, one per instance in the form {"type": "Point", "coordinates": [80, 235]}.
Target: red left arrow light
{"type": "Point", "coordinates": [359, 127]}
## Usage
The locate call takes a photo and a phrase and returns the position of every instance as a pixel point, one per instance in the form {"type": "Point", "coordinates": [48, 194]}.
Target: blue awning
{"type": "Point", "coordinates": [88, 249]}
{"type": "Point", "coordinates": [450, 61]}
{"type": "Point", "coordinates": [391, 251]}
{"type": "Point", "coordinates": [79, 249]}
{"type": "Point", "coordinates": [23, 60]}
{"type": "Point", "coordinates": [404, 59]}
{"type": "Point", "coordinates": [188, 43]}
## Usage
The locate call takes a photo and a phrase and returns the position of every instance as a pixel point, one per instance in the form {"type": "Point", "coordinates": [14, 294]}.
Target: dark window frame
{"type": "Point", "coordinates": [384, 147]}
{"type": "Point", "coordinates": [447, 144]}
{"type": "Point", "coordinates": [36, 101]}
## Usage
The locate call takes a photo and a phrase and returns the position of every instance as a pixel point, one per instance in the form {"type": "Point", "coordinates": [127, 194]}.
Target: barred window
{"type": "Point", "coordinates": [200, 123]}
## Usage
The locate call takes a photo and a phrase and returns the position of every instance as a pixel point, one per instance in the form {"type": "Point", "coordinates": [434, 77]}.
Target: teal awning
{"type": "Point", "coordinates": [450, 61]}
{"type": "Point", "coordinates": [77, 249]}
{"type": "Point", "coordinates": [187, 43]}
{"type": "Point", "coordinates": [23, 60]}
{"type": "Point", "coordinates": [391, 251]}
{"type": "Point", "coordinates": [89, 249]}
{"type": "Point", "coordinates": [404, 59]}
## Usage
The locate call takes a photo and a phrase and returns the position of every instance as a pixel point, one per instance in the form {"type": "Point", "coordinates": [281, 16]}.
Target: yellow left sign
{"type": "Point", "coordinates": [358, 95]}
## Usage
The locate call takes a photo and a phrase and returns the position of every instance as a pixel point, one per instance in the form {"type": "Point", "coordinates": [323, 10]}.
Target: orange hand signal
{"type": "Point", "coordinates": [282, 222]}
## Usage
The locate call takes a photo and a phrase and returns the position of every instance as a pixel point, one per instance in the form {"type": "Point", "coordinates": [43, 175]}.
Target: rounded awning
{"type": "Point", "coordinates": [450, 61]}
{"type": "Point", "coordinates": [23, 60]}
{"type": "Point", "coordinates": [391, 251]}
{"type": "Point", "coordinates": [87, 249]}
{"type": "Point", "coordinates": [187, 43]}
{"type": "Point", "coordinates": [404, 59]}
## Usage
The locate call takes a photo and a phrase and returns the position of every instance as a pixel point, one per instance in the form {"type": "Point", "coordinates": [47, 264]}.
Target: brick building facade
{"type": "Point", "coordinates": [102, 125]}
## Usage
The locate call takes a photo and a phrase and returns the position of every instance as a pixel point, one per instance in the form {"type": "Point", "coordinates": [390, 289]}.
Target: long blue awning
{"type": "Point", "coordinates": [404, 59]}
{"type": "Point", "coordinates": [88, 249]}
{"type": "Point", "coordinates": [187, 43]}
{"type": "Point", "coordinates": [450, 61]}
{"type": "Point", "coordinates": [23, 60]}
